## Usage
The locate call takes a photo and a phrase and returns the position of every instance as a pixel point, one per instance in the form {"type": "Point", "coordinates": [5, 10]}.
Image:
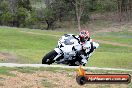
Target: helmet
{"type": "Point", "coordinates": [84, 35]}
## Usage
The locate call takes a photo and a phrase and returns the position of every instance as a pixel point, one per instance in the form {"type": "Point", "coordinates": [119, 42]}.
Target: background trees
{"type": "Point", "coordinates": [5, 15]}
{"type": "Point", "coordinates": [15, 12]}
{"type": "Point", "coordinates": [45, 14]}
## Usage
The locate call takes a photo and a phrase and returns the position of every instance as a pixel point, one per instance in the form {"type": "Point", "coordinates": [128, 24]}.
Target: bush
{"type": "Point", "coordinates": [5, 15]}
{"type": "Point", "coordinates": [31, 20]}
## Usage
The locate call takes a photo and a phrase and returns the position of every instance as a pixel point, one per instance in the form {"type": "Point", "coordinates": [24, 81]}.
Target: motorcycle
{"type": "Point", "coordinates": [69, 51]}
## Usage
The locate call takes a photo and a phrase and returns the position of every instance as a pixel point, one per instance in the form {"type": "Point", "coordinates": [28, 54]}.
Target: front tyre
{"type": "Point", "coordinates": [49, 58]}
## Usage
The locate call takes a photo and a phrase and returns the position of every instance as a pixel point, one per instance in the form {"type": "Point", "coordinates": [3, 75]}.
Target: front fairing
{"type": "Point", "coordinates": [66, 43]}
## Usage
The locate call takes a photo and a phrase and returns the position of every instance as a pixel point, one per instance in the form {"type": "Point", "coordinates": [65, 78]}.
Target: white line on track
{"type": "Point", "coordinates": [59, 66]}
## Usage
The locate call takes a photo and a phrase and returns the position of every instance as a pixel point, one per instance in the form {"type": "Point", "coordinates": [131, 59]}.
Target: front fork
{"type": "Point", "coordinates": [59, 53]}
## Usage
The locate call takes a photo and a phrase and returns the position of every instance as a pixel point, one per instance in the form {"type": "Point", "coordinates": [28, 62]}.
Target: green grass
{"type": "Point", "coordinates": [110, 59]}
{"type": "Point", "coordinates": [30, 70]}
{"type": "Point", "coordinates": [6, 71]}
{"type": "Point", "coordinates": [14, 39]}
{"type": "Point", "coordinates": [124, 37]}
{"type": "Point", "coordinates": [108, 55]}
{"type": "Point", "coordinates": [31, 45]}
{"type": "Point", "coordinates": [111, 56]}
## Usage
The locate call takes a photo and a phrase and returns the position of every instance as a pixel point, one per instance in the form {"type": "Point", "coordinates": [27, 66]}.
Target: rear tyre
{"type": "Point", "coordinates": [49, 58]}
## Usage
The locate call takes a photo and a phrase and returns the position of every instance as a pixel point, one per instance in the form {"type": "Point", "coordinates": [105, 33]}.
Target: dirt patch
{"type": "Point", "coordinates": [48, 79]}
{"type": "Point", "coordinates": [111, 29]}
{"type": "Point", "coordinates": [130, 30]}
{"type": "Point", "coordinates": [7, 57]}
{"type": "Point", "coordinates": [36, 80]}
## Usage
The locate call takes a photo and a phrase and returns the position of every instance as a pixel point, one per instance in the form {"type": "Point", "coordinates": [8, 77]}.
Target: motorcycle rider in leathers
{"type": "Point", "coordinates": [83, 38]}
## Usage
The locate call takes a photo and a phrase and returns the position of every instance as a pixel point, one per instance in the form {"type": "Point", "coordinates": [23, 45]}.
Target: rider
{"type": "Point", "coordinates": [84, 38]}
{"type": "Point", "coordinates": [84, 52]}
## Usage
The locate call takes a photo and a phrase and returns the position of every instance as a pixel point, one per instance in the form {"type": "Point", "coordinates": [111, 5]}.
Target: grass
{"type": "Point", "coordinates": [18, 40]}
{"type": "Point", "coordinates": [108, 55]}
{"type": "Point", "coordinates": [124, 37]}
{"type": "Point", "coordinates": [114, 48]}
{"type": "Point", "coordinates": [47, 84]}
{"type": "Point", "coordinates": [6, 71]}
{"type": "Point", "coordinates": [111, 56]}
{"type": "Point", "coordinates": [30, 70]}
{"type": "Point", "coordinates": [27, 46]}
{"type": "Point", "coordinates": [109, 59]}
{"type": "Point", "coordinates": [31, 45]}
{"type": "Point", "coordinates": [25, 70]}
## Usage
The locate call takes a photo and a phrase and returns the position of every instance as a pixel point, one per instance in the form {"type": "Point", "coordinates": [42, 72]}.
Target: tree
{"type": "Point", "coordinates": [124, 7]}
{"type": "Point", "coordinates": [80, 7]}
{"type": "Point", "coordinates": [49, 17]}
{"type": "Point", "coordinates": [20, 10]}
{"type": "Point", "coordinates": [62, 9]}
{"type": "Point", "coordinates": [25, 4]}
{"type": "Point", "coordinates": [21, 16]}
{"type": "Point", "coordinates": [55, 10]}
{"type": "Point", "coordinates": [5, 14]}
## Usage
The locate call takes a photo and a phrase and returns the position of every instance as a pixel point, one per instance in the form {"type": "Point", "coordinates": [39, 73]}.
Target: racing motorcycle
{"type": "Point", "coordinates": [69, 51]}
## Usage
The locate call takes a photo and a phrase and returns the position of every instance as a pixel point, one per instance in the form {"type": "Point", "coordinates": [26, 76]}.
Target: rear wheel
{"type": "Point", "coordinates": [49, 58]}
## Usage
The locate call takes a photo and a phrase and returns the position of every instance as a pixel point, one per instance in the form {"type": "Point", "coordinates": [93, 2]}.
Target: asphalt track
{"type": "Point", "coordinates": [60, 66]}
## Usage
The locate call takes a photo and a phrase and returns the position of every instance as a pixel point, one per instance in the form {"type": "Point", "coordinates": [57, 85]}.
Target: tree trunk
{"type": "Point", "coordinates": [119, 10]}
{"type": "Point", "coordinates": [49, 24]}
{"type": "Point", "coordinates": [79, 7]}
{"type": "Point", "coordinates": [77, 15]}
{"type": "Point", "coordinates": [79, 23]}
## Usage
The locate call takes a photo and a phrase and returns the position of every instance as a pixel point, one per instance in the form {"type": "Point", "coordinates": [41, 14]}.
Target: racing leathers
{"type": "Point", "coordinates": [87, 49]}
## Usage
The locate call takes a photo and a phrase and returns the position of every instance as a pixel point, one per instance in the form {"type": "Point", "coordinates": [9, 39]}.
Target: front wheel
{"type": "Point", "coordinates": [49, 58]}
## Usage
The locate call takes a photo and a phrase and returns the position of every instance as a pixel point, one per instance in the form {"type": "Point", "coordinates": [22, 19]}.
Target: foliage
{"type": "Point", "coordinates": [5, 14]}
{"type": "Point", "coordinates": [31, 20]}
{"type": "Point", "coordinates": [105, 5]}
{"type": "Point", "coordinates": [17, 16]}
{"type": "Point", "coordinates": [49, 17]}
{"type": "Point", "coordinates": [85, 16]}
{"type": "Point", "coordinates": [38, 14]}
{"type": "Point", "coordinates": [54, 11]}
{"type": "Point", "coordinates": [22, 14]}
{"type": "Point", "coordinates": [25, 4]}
